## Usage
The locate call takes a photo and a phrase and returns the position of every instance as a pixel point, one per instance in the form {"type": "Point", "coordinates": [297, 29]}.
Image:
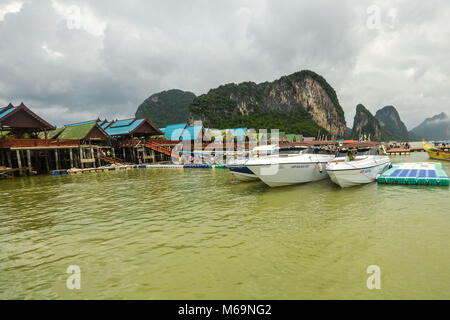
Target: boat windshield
{"type": "Point", "coordinates": [368, 152]}
{"type": "Point", "coordinates": [315, 150]}
{"type": "Point", "coordinates": [341, 153]}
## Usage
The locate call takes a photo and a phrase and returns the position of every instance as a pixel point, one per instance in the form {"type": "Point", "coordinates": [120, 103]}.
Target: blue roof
{"type": "Point", "coordinates": [80, 123]}
{"type": "Point", "coordinates": [191, 133]}
{"type": "Point", "coordinates": [239, 133]}
{"type": "Point", "coordinates": [117, 130]}
{"type": "Point", "coordinates": [174, 131]}
{"type": "Point", "coordinates": [105, 124]}
{"type": "Point", "coordinates": [122, 123]}
{"type": "Point", "coordinates": [4, 113]}
{"type": "Point", "coordinates": [162, 130]}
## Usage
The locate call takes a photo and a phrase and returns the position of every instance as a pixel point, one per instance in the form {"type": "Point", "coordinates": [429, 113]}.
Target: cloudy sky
{"type": "Point", "coordinates": [76, 60]}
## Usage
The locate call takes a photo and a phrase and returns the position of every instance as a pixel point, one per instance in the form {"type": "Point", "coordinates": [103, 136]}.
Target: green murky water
{"type": "Point", "coordinates": [174, 234]}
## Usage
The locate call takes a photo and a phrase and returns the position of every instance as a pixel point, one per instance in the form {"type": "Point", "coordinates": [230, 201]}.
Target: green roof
{"type": "Point", "coordinates": [51, 134]}
{"type": "Point", "coordinates": [77, 132]}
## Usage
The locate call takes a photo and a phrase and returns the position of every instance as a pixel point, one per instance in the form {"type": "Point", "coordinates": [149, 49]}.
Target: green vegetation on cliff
{"type": "Point", "coordinates": [222, 116]}
{"type": "Point", "coordinates": [167, 107]}
{"type": "Point", "coordinates": [283, 104]}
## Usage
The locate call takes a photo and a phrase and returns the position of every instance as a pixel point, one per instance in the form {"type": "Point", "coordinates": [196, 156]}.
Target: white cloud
{"type": "Point", "coordinates": [107, 59]}
{"type": "Point", "coordinates": [10, 7]}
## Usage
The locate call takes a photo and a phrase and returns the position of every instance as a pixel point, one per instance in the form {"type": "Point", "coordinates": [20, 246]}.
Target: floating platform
{"type": "Point", "coordinates": [415, 173]}
{"type": "Point", "coordinates": [130, 166]}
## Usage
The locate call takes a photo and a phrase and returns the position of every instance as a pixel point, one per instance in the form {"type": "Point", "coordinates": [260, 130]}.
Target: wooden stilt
{"type": "Point", "coordinates": [8, 157]}
{"type": "Point", "coordinates": [19, 162]}
{"type": "Point", "coordinates": [81, 158]}
{"type": "Point", "coordinates": [29, 161]}
{"type": "Point", "coordinates": [47, 160]}
{"type": "Point", "coordinates": [56, 159]}
{"type": "Point", "coordinates": [71, 157]}
{"type": "Point", "coordinates": [98, 157]}
{"type": "Point", "coordinates": [92, 156]}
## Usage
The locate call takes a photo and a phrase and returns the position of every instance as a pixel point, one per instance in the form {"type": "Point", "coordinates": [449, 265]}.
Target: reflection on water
{"type": "Point", "coordinates": [173, 233]}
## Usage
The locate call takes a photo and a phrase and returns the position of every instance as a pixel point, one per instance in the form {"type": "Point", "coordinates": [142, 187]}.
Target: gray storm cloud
{"type": "Point", "coordinates": [76, 60]}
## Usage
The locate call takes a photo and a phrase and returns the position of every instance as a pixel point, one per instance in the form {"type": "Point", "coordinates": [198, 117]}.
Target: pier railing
{"type": "Point", "coordinates": [36, 143]}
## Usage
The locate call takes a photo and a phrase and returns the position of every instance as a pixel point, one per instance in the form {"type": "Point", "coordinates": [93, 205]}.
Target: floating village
{"type": "Point", "coordinates": [29, 145]}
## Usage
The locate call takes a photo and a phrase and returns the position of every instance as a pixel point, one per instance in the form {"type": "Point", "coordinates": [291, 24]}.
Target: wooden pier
{"type": "Point", "coordinates": [403, 151]}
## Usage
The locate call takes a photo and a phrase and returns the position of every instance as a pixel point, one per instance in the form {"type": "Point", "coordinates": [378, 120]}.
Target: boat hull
{"type": "Point", "coordinates": [288, 174]}
{"type": "Point", "coordinates": [435, 153]}
{"type": "Point", "coordinates": [242, 173]}
{"type": "Point", "coordinates": [352, 173]}
{"type": "Point", "coordinates": [356, 177]}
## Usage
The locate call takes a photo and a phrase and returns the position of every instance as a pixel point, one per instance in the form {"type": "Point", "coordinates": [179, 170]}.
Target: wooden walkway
{"type": "Point", "coordinates": [403, 151]}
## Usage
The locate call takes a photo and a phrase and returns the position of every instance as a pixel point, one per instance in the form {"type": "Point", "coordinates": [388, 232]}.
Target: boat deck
{"type": "Point", "coordinates": [416, 173]}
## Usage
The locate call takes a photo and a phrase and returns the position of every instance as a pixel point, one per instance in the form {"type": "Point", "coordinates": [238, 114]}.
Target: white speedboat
{"type": "Point", "coordinates": [363, 168]}
{"type": "Point", "coordinates": [242, 173]}
{"type": "Point", "coordinates": [305, 165]}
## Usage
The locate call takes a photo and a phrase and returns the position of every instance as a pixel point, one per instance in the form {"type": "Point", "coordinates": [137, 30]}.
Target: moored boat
{"type": "Point", "coordinates": [305, 165]}
{"type": "Point", "coordinates": [242, 173]}
{"type": "Point", "coordinates": [362, 168]}
{"type": "Point", "coordinates": [436, 152]}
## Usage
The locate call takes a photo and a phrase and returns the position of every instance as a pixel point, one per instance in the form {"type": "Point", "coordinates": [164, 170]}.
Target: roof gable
{"type": "Point", "coordinates": [22, 117]}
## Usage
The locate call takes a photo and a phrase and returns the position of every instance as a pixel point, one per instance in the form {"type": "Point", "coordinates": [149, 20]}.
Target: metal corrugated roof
{"type": "Point", "coordinates": [174, 131]}
{"type": "Point", "coordinates": [123, 129]}
{"type": "Point", "coordinates": [123, 123]}
{"type": "Point", "coordinates": [191, 133]}
{"type": "Point", "coordinates": [81, 123]}
{"type": "Point", "coordinates": [4, 113]}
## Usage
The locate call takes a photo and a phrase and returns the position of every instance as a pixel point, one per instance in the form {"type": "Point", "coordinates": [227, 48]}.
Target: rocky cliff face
{"type": "Point", "coordinates": [434, 128]}
{"type": "Point", "coordinates": [302, 102]}
{"type": "Point", "coordinates": [166, 107]}
{"type": "Point", "coordinates": [392, 128]}
{"type": "Point", "coordinates": [365, 123]}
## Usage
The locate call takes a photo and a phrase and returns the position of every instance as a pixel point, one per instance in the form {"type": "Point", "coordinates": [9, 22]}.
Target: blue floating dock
{"type": "Point", "coordinates": [415, 173]}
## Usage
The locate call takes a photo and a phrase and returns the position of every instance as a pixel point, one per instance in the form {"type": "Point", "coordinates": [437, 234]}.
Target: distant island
{"type": "Point", "coordinates": [300, 103]}
{"type": "Point", "coordinates": [434, 128]}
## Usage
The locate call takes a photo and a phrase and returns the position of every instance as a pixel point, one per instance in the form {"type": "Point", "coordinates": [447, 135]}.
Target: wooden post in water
{"type": "Point", "coordinates": [29, 161]}
{"type": "Point", "coordinates": [98, 158]}
{"type": "Point", "coordinates": [124, 154]}
{"type": "Point", "coordinates": [47, 164]}
{"type": "Point", "coordinates": [56, 159]}
{"type": "Point", "coordinates": [71, 157]}
{"type": "Point", "coordinates": [92, 156]}
{"type": "Point", "coordinates": [81, 158]}
{"type": "Point", "coordinates": [113, 152]}
{"type": "Point", "coordinates": [19, 162]}
{"type": "Point", "coordinates": [3, 159]}
{"type": "Point", "coordinates": [8, 157]}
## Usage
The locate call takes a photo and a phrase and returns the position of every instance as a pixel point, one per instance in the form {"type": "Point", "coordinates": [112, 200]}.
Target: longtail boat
{"type": "Point", "coordinates": [436, 152]}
